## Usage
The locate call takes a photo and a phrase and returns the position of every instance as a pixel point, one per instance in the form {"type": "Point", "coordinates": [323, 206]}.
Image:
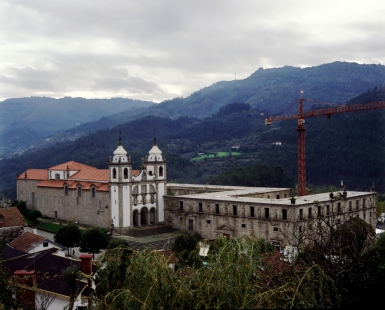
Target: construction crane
{"type": "Point", "coordinates": [336, 109]}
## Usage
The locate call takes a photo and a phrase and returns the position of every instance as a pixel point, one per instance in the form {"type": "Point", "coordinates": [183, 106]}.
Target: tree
{"type": "Point", "coordinates": [33, 215]}
{"type": "Point", "coordinates": [72, 276]}
{"type": "Point", "coordinates": [68, 235]}
{"type": "Point", "coordinates": [93, 240]}
{"type": "Point", "coordinates": [185, 248]}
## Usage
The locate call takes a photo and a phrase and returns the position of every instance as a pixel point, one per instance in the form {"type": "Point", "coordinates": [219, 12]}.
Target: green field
{"type": "Point", "coordinates": [50, 227]}
{"type": "Point", "coordinates": [217, 154]}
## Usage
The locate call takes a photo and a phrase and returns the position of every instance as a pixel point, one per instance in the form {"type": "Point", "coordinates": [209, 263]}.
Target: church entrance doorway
{"type": "Point", "coordinates": [144, 216]}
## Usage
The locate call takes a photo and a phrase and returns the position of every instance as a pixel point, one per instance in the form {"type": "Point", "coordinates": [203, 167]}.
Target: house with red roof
{"type": "Point", "coordinates": [12, 223]}
{"type": "Point", "coordinates": [114, 198]}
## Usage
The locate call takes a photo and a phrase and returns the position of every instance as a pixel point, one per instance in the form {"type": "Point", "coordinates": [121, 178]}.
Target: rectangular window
{"type": "Point", "coordinates": [284, 214]}
{"type": "Point", "coordinates": [319, 211]}
{"type": "Point", "coordinates": [217, 208]}
{"type": "Point", "coordinates": [267, 215]}
{"type": "Point", "coordinates": [310, 213]}
{"type": "Point", "coordinates": [275, 228]}
{"type": "Point", "coordinates": [277, 196]}
{"type": "Point", "coordinates": [300, 228]}
{"type": "Point", "coordinates": [208, 221]}
{"type": "Point", "coordinates": [234, 210]}
{"type": "Point", "coordinates": [327, 209]}
{"type": "Point", "coordinates": [200, 207]}
{"type": "Point", "coordinates": [350, 206]}
{"type": "Point", "coordinates": [180, 205]}
{"type": "Point", "coordinates": [45, 244]}
{"type": "Point", "coordinates": [300, 214]}
{"type": "Point", "coordinates": [190, 225]}
{"type": "Point", "coordinates": [243, 225]}
{"type": "Point", "coordinates": [339, 210]}
{"type": "Point", "coordinates": [252, 212]}
{"type": "Point", "coordinates": [93, 191]}
{"type": "Point", "coordinates": [357, 204]}
{"type": "Point", "coordinates": [66, 190]}
{"type": "Point", "coordinates": [363, 203]}
{"type": "Point", "coordinates": [57, 176]}
{"type": "Point", "coordinates": [79, 191]}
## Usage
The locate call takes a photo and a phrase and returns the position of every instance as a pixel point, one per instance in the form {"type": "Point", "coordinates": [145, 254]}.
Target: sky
{"type": "Point", "coordinates": [161, 49]}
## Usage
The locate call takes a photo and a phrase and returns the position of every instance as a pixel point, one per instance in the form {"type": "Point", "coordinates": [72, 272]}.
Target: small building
{"type": "Point", "coordinates": [38, 277]}
{"type": "Point", "coordinates": [12, 223]}
{"type": "Point", "coordinates": [31, 243]}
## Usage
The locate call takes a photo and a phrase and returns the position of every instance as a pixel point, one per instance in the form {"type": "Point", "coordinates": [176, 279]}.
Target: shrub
{"type": "Point", "coordinates": [33, 215]}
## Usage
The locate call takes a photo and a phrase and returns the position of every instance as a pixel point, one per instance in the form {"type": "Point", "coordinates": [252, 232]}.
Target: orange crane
{"type": "Point", "coordinates": [337, 109]}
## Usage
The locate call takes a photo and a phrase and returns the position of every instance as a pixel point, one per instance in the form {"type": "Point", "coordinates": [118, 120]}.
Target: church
{"type": "Point", "coordinates": [117, 197]}
{"type": "Point", "coordinates": [122, 198]}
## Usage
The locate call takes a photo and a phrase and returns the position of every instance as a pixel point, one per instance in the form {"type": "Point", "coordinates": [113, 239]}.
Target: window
{"type": "Point", "coordinates": [180, 205]}
{"type": "Point", "coordinates": [357, 204]}
{"type": "Point", "coordinates": [319, 211]}
{"type": "Point", "coordinates": [252, 212]}
{"type": "Point", "coordinates": [79, 191]}
{"type": "Point", "coordinates": [363, 203]}
{"type": "Point", "coordinates": [208, 221]}
{"type": "Point", "coordinates": [277, 196]}
{"type": "Point", "coordinates": [125, 173]}
{"type": "Point", "coordinates": [243, 225]}
{"type": "Point", "coordinates": [327, 209]}
{"type": "Point", "coordinates": [364, 216]}
{"type": "Point", "coordinates": [190, 224]}
{"type": "Point", "coordinates": [350, 206]}
{"type": "Point", "coordinates": [217, 208]}
{"type": "Point", "coordinates": [57, 176]}
{"type": "Point", "coordinates": [45, 244]}
{"type": "Point", "coordinates": [339, 209]}
{"type": "Point", "coordinates": [285, 195]}
{"type": "Point", "coordinates": [114, 173]}
{"type": "Point", "coordinates": [1, 218]}
{"type": "Point", "coordinates": [275, 228]}
{"type": "Point", "coordinates": [267, 215]}
{"type": "Point", "coordinates": [93, 191]}
{"type": "Point", "coordinates": [180, 218]}
{"type": "Point", "coordinates": [200, 207]}
{"type": "Point", "coordinates": [310, 213]}
{"type": "Point", "coordinates": [284, 214]}
{"type": "Point", "coordinates": [161, 171]}
{"type": "Point", "coordinates": [300, 214]}
{"type": "Point", "coordinates": [300, 228]}
{"type": "Point", "coordinates": [234, 210]}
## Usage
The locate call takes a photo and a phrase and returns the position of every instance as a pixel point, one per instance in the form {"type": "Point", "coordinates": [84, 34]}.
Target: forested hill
{"type": "Point", "coordinates": [266, 89]}
{"type": "Point", "coordinates": [348, 146]}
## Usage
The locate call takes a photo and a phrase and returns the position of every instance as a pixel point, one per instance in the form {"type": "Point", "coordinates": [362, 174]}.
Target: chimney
{"type": "Point", "coordinates": [26, 278]}
{"type": "Point", "coordinates": [86, 263]}
{"type": "Point", "coordinates": [34, 231]}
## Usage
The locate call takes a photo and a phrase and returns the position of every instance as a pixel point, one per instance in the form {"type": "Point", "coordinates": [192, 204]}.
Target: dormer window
{"type": "Point", "coordinates": [57, 176]}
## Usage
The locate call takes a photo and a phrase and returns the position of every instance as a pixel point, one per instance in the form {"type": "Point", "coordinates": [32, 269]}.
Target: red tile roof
{"type": "Point", "coordinates": [72, 165]}
{"type": "Point", "coordinates": [34, 174]}
{"type": "Point", "coordinates": [11, 217]}
{"type": "Point", "coordinates": [26, 241]}
{"type": "Point", "coordinates": [91, 174]}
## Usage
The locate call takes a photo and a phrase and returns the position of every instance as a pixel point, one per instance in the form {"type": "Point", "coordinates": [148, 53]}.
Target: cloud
{"type": "Point", "coordinates": [162, 49]}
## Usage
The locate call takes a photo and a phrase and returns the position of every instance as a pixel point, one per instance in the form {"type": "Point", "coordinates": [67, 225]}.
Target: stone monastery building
{"type": "Point", "coordinates": [122, 198]}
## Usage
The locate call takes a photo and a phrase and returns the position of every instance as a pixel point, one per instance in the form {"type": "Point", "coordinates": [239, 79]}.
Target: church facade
{"type": "Point", "coordinates": [121, 198]}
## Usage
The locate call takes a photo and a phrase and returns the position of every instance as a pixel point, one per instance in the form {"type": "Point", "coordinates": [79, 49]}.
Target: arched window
{"type": "Point", "coordinates": [125, 173]}
{"type": "Point", "coordinates": [160, 171]}
{"type": "Point", "coordinates": [114, 173]}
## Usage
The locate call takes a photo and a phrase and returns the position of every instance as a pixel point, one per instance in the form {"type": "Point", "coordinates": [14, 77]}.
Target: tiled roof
{"type": "Point", "coordinates": [9, 252]}
{"type": "Point", "coordinates": [72, 165]}
{"type": "Point", "coordinates": [11, 217]}
{"type": "Point", "coordinates": [34, 174]}
{"type": "Point", "coordinates": [52, 183]}
{"type": "Point", "coordinates": [91, 174]}
{"type": "Point", "coordinates": [48, 268]}
{"type": "Point", "coordinates": [26, 241]}
{"type": "Point", "coordinates": [135, 172]}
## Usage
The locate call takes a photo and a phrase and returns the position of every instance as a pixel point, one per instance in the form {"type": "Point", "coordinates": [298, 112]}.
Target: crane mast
{"type": "Point", "coordinates": [301, 129]}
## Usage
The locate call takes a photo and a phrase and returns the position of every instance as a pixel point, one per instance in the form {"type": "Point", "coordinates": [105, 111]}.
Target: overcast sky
{"type": "Point", "coordinates": [161, 49]}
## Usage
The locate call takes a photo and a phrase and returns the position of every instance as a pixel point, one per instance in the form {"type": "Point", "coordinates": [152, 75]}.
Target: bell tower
{"type": "Point", "coordinates": [155, 165]}
{"type": "Point", "coordinates": [120, 175]}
